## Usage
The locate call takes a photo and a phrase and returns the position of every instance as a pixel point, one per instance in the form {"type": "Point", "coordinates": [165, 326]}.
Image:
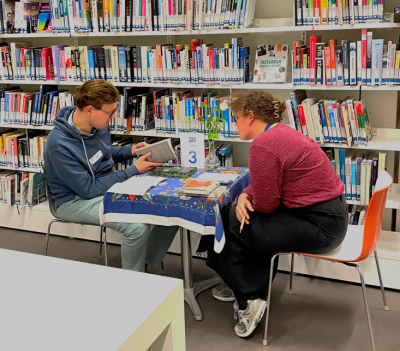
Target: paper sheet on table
{"type": "Point", "coordinates": [135, 185]}
{"type": "Point", "coordinates": [223, 178]}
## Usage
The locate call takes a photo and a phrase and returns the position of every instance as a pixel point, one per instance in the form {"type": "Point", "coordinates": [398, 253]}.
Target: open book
{"type": "Point", "coordinates": [161, 151]}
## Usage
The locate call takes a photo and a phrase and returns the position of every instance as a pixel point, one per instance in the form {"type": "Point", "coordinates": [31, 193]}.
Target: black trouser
{"type": "Point", "coordinates": [244, 263]}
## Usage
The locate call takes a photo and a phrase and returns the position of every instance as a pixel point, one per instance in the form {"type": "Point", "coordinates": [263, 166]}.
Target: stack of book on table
{"type": "Point", "coordinates": [196, 187]}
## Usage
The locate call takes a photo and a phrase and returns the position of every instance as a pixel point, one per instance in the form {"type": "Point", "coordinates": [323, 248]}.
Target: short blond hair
{"type": "Point", "coordinates": [95, 92]}
{"type": "Point", "coordinates": [263, 104]}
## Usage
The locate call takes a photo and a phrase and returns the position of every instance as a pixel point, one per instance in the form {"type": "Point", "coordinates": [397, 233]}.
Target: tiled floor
{"type": "Point", "coordinates": [320, 315]}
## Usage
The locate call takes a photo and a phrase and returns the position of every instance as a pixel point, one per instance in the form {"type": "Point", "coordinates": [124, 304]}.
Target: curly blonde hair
{"type": "Point", "coordinates": [264, 106]}
{"type": "Point", "coordinates": [95, 92]}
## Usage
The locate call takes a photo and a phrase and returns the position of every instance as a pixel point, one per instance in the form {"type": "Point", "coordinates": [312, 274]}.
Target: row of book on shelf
{"type": "Point", "coordinates": [358, 171]}
{"type": "Point", "coordinates": [32, 108]}
{"type": "Point", "coordinates": [337, 12]}
{"type": "Point", "coordinates": [330, 121]}
{"type": "Point", "coordinates": [161, 15]}
{"type": "Point", "coordinates": [194, 63]}
{"type": "Point", "coordinates": [171, 111]}
{"type": "Point", "coordinates": [356, 214]}
{"type": "Point", "coordinates": [168, 110]}
{"type": "Point", "coordinates": [364, 62]}
{"type": "Point", "coordinates": [59, 16]}
{"type": "Point", "coordinates": [24, 17]}
{"type": "Point", "coordinates": [22, 188]}
{"type": "Point", "coordinates": [224, 152]}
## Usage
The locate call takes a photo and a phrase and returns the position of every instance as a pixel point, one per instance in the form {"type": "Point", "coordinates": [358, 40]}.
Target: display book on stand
{"type": "Point", "coordinates": [154, 15]}
{"type": "Point", "coordinates": [367, 61]}
{"type": "Point", "coordinates": [194, 63]}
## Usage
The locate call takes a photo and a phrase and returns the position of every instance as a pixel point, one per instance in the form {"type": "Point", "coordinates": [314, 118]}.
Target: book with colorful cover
{"type": "Point", "coordinates": [196, 187]}
{"type": "Point", "coordinates": [31, 16]}
{"type": "Point", "coordinates": [271, 63]}
{"type": "Point", "coordinates": [174, 172]}
{"type": "Point", "coordinates": [44, 19]}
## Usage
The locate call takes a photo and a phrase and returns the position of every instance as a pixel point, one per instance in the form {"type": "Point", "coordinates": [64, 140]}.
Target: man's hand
{"type": "Point", "coordinates": [138, 146]}
{"type": "Point", "coordinates": [244, 204]}
{"type": "Point", "coordinates": [143, 165]}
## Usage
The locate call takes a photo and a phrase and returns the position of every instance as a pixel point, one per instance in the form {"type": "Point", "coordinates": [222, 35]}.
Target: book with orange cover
{"type": "Point", "coordinates": [196, 187]}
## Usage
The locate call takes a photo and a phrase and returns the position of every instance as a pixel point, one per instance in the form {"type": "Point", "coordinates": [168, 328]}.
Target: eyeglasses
{"type": "Point", "coordinates": [109, 113]}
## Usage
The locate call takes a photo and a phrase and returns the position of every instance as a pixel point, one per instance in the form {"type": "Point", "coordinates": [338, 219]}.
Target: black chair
{"type": "Point", "coordinates": [59, 220]}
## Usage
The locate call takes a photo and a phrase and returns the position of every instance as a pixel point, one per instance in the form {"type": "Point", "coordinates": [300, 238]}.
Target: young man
{"type": "Point", "coordinates": [79, 160]}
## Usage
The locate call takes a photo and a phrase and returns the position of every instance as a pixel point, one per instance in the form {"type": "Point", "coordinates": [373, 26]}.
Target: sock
{"type": "Point", "coordinates": [242, 304]}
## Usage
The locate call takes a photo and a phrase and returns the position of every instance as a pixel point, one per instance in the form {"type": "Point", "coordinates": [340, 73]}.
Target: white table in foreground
{"type": "Point", "coordinates": [50, 304]}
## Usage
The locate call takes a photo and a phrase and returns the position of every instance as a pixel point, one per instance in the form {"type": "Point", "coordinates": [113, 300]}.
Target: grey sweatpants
{"type": "Point", "coordinates": [139, 244]}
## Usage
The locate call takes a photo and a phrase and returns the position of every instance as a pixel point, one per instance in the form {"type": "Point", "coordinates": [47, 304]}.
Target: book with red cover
{"type": "Point", "coordinates": [364, 56]}
{"type": "Point", "coordinates": [47, 62]}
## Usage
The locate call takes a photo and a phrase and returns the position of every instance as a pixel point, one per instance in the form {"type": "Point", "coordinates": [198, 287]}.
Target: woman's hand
{"type": "Point", "coordinates": [244, 204]}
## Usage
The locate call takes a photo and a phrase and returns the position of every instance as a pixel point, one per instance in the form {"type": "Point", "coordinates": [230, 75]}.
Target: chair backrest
{"type": "Point", "coordinates": [373, 219]}
{"type": "Point", "coordinates": [52, 204]}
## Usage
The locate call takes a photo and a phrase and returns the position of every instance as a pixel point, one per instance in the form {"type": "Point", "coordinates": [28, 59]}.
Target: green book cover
{"type": "Point", "coordinates": [174, 172]}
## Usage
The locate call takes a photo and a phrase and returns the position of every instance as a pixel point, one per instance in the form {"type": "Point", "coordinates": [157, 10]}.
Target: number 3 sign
{"type": "Point", "coordinates": [192, 150]}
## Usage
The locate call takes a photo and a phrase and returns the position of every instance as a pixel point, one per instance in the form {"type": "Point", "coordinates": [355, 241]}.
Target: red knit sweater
{"type": "Point", "coordinates": [289, 169]}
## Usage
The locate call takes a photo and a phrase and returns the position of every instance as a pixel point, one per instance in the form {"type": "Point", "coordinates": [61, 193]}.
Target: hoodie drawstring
{"type": "Point", "coordinates": [87, 160]}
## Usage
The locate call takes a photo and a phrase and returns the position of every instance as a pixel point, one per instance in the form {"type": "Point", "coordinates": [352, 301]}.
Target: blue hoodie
{"type": "Point", "coordinates": [82, 165]}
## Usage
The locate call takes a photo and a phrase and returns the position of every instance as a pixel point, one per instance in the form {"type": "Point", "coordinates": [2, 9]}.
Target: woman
{"type": "Point", "coordinates": [294, 203]}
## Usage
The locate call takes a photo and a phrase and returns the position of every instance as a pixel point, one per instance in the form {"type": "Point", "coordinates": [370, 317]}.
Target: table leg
{"type": "Point", "coordinates": [191, 290]}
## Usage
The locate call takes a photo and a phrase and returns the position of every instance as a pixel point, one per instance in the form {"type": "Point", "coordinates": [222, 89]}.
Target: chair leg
{"type": "Point", "coordinates": [291, 276]}
{"type": "Point", "coordinates": [265, 341]}
{"type": "Point", "coordinates": [101, 243]}
{"type": "Point", "coordinates": [46, 243]}
{"type": "Point", "coordinates": [385, 305]}
{"type": "Point", "coordinates": [105, 246]}
{"type": "Point", "coordinates": [365, 302]}
{"type": "Point", "coordinates": [162, 268]}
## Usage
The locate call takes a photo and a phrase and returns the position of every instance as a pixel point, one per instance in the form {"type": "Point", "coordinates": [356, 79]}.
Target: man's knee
{"type": "Point", "coordinates": [133, 231]}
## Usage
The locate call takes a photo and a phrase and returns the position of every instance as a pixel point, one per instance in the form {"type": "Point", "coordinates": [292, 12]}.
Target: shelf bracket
{"type": "Point", "coordinates": [76, 41]}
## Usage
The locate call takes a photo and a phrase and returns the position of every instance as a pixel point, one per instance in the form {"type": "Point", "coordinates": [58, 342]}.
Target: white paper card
{"type": "Point", "coordinates": [192, 150]}
{"type": "Point", "coordinates": [96, 157]}
{"type": "Point", "coordinates": [135, 185]}
{"type": "Point", "coordinates": [223, 178]}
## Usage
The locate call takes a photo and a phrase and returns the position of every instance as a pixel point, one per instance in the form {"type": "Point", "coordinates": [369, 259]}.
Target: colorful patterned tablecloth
{"type": "Point", "coordinates": [162, 205]}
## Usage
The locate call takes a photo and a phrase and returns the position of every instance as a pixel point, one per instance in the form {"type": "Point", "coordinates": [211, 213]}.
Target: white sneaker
{"type": "Point", "coordinates": [223, 293]}
{"type": "Point", "coordinates": [250, 317]}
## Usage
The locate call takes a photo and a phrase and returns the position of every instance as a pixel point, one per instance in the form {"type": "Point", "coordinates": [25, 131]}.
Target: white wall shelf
{"type": "Point", "coordinates": [22, 169]}
{"type": "Point", "coordinates": [35, 35]}
{"type": "Point", "coordinates": [393, 198]}
{"type": "Point", "coordinates": [249, 86]}
{"type": "Point", "coordinates": [275, 25]}
{"type": "Point", "coordinates": [26, 126]}
{"type": "Point", "coordinates": [386, 139]}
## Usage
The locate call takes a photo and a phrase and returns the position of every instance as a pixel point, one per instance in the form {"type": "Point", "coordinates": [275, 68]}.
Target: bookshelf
{"type": "Point", "coordinates": [22, 169]}
{"type": "Point", "coordinates": [275, 26]}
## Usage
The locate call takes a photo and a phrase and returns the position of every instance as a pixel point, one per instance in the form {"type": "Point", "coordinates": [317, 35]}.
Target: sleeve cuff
{"type": "Point", "coordinates": [127, 152]}
{"type": "Point", "coordinates": [131, 171]}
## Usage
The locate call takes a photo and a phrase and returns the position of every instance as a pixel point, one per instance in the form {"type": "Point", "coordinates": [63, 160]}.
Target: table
{"type": "Point", "coordinates": [162, 205]}
{"type": "Point", "coordinates": [50, 304]}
